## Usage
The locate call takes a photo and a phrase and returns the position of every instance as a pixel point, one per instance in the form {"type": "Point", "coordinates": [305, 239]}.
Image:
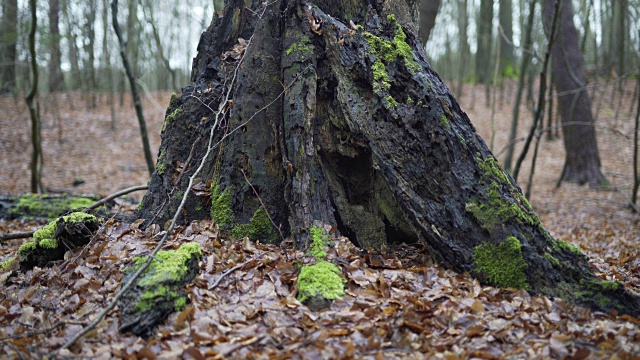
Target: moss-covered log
{"type": "Point", "coordinates": [337, 117]}
{"type": "Point", "coordinates": [45, 206]}
{"type": "Point", "coordinates": [159, 290]}
{"type": "Point", "coordinates": [53, 240]}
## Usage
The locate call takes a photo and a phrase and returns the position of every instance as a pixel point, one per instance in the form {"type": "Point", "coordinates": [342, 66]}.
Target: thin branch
{"type": "Point", "coordinates": [116, 195]}
{"type": "Point", "coordinates": [224, 274]}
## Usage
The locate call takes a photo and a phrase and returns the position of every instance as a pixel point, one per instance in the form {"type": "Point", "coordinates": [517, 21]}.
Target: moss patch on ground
{"type": "Point", "coordinates": [7, 263]}
{"type": "Point", "coordinates": [501, 265]}
{"type": "Point", "coordinates": [323, 278]}
{"type": "Point", "coordinates": [167, 268]}
{"type": "Point", "coordinates": [48, 207]}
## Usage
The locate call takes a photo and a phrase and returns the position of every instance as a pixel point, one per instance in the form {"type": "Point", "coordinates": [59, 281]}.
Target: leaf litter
{"type": "Point", "coordinates": [400, 305]}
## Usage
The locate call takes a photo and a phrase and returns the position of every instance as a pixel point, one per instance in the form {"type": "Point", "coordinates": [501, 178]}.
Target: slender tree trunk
{"type": "Point", "coordinates": [428, 14]}
{"type": "Point", "coordinates": [507, 59]}
{"type": "Point", "coordinates": [75, 78]}
{"type": "Point", "coordinates": [90, 37]}
{"type": "Point", "coordinates": [582, 161]}
{"type": "Point", "coordinates": [8, 43]}
{"type": "Point", "coordinates": [463, 21]}
{"type": "Point", "coordinates": [108, 77]}
{"type": "Point", "coordinates": [56, 80]}
{"type": "Point", "coordinates": [31, 100]}
{"type": "Point", "coordinates": [636, 159]}
{"type": "Point", "coordinates": [134, 90]}
{"type": "Point", "coordinates": [619, 31]}
{"type": "Point", "coordinates": [156, 36]}
{"type": "Point", "coordinates": [325, 122]}
{"type": "Point", "coordinates": [524, 63]}
{"type": "Point", "coordinates": [485, 37]}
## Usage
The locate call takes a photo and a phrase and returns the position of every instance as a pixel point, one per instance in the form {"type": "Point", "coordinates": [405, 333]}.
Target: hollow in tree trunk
{"type": "Point", "coordinates": [334, 116]}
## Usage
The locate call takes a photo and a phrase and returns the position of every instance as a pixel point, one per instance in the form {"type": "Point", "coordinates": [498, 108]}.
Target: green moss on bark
{"type": "Point", "coordinates": [221, 211]}
{"type": "Point", "coordinates": [258, 228]}
{"type": "Point", "coordinates": [319, 240]}
{"type": "Point", "coordinates": [501, 265]}
{"type": "Point", "coordinates": [34, 205]}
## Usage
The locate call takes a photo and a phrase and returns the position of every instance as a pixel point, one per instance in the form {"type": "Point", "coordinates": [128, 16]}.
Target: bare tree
{"type": "Point", "coordinates": [75, 77]}
{"type": "Point", "coordinates": [582, 159]}
{"type": "Point", "coordinates": [463, 43]}
{"type": "Point", "coordinates": [89, 48]}
{"type": "Point", "coordinates": [56, 80]}
{"type": "Point", "coordinates": [524, 64]}
{"type": "Point", "coordinates": [160, 49]}
{"type": "Point", "coordinates": [8, 43]}
{"type": "Point", "coordinates": [32, 104]}
{"type": "Point", "coordinates": [134, 90]}
{"type": "Point", "coordinates": [507, 59]}
{"type": "Point", "coordinates": [485, 41]}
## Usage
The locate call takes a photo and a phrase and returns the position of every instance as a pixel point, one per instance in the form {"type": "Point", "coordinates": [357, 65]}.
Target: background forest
{"type": "Point", "coordinates": [69, 124]}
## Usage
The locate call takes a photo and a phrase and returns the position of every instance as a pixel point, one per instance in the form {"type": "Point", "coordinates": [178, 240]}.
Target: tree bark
{"type": "Point", "coordinates": [75, 78]}
{"type": "Point", "coordinates": [348, 125]}
{"type": "Point", "coordinates": [507, 60]}
{"type": "Point", "coordinates": [56, 80]}
{"type": "Point", "coordinates": [582, 160]}
{"type": "Point", "coordinates": [9, 43]}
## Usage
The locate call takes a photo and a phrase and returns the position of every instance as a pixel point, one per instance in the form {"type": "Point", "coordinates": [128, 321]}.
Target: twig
{"type": "Point", "coordinates": [224, 274]}
{"type": "Point", "coordinates": [116, 195]}
{"type": "Point", "coordinates": [16, 235]}
{"type": "Point", "coordinates": [177, 213]}
{"type": "Point", "coordinates": [36, 332]}
{"type": "Point", "coordinates": [238, 346]}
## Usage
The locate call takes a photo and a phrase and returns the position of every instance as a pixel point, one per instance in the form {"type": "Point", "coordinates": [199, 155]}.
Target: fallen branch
{"type": "Point", "coordinates": [224, 274]}
{"type": "Point", "coordinates": [116, 195]}
{"type": "Point", "coordinates": [16, 235]}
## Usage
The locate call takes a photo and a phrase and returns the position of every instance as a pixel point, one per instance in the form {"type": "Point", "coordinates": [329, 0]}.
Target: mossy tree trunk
{"type": "Point", "coordinates": [338, 118]}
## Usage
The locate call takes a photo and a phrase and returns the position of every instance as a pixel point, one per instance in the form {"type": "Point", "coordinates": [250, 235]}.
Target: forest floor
{"type": "Point", "coordinates": [397, 306]}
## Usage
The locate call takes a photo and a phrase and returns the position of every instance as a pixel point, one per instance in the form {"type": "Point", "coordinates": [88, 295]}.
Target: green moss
{"type": "Point", "coordinates": [198, 206]}
{"type": "Point", "coordinates": [7, 263]}
{"type": "Point", "coordinates": [552, 259]}
{"type": "Point", "coordinates": [490, 167]}
{"type": "Point", "coordinates": [148, 298]}
{"type": "Point", "coordinates": [34, 205]}
{"type": "Point", "coordinates": [46, 232]}
{"type": "Point", "coordinates": [610, 285]}
{"type": "Point", "coordinates": [409, 101]}
{"type": "Point", "coordinates": [48, 243]}
{"type": "Point", "coordinates": [382, 80]}
{"type": "Point", "coordinates": [139, 207]}
{"type": "Point", "coordinates": [300, 47]}
{"type": "Point", "coordinates": [180, 303]}
{"type": "Point", "coordinates": [323, 278]}
{"type": "Point", "coordinates": [26, 247]}
{"type": "Point", "coordinates": [221, 211]}
{"type": "Point", "coordinates": [167, 267]}
{"type": "Point", "coordinates": [386, 52]}
{"type": "Point", "coordinates": [79, 216]}
{"type": "Point", "coordinates": [319, 240]}
{"type": "Point", "coordinates": [171, 118]}
{"type": "Point", "coordinates": [501, 265]}
{"type": "Point", "coordinates": [258, 228]}
{"type": "Point", "coordinates": [563, 246]}
{"type": "Point", "coordinates": [392, 103]}
{"type": "Point", "coordinates": [160, 166]}
{"type": "Point", "coordinates": [173, 100]}
{"type": "Point", "coordinates": [498, 209]}
{"type": "Point", "coordinates": [445, 122]}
